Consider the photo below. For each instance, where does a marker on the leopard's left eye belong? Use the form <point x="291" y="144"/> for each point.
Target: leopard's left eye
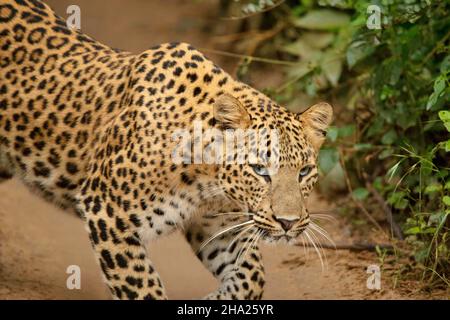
<point x="260" y="170"/>
<point x="304" y="172"/>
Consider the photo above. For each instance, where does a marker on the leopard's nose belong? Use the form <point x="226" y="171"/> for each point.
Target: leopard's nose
<point x="287" y="223"/>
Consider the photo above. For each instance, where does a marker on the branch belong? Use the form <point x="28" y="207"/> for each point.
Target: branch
<point x="245" y="16"/>
<point x="351" y="246"/>
<point x="356" y="201"/>
<point x="395" y="228"/>
<point x="252" y="58"/>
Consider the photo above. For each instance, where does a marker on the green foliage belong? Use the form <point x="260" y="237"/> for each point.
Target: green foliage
<point x="360" y="193"/>
<point x="391" y="87"/>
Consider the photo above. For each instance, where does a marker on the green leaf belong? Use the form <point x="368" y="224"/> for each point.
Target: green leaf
<point x="445" y="65"/>
<point x="439" y="84"/>
<point x="429" y="230"/>
<point x="376" y="127"/>
<point x="439" y="87"/>
<point x="446" y="200"/>
<point x="342" y="4"/>
<point x="360" y="193"/>
<point x="432" y="188"/>
<point x="444" y="115"/>
<point x="332" y="133"/>
<point x="301" y="69"/>
<point x="322" y="19"/>
<point x="426" y="167"/>
<point x="346" y="131"/>
<point x="328" y="158"/>
<point x="447" y="185"/>
<point x="378" y="183"/>
<point x="385" y="154"/>
<point x="358" y="50"/>
<point x="393" y="170"/>
<point x="389" y="137"/>
<point x="432" y="101"/>
<point x="303" y="49"/>
<point x="401" y="204"/>
<point x="395" y="68"/>
<point x="398" y="200"/>
<point x="447" y="145"/>
<point x="318" y="40"/>
<point x="363" y="146"/>
<point x="332" y="66"/>
<point x="413" y="230"/>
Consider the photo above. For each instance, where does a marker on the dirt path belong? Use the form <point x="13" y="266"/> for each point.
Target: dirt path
<point x="38" y="241"/>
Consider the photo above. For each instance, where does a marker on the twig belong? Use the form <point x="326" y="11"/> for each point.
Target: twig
<point x="257" y="59"/>
<point x="227" y="38"/>
<point x="436" y="47"/>
<point x="395" y="228"/>
<point x="263" y="36"/>
<point x="253" y="13"/>
<point x="256" y="41"/>
<point x="356" y="201"/>
<point x="352" y="246"/>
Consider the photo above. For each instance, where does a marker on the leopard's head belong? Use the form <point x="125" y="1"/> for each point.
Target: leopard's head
<point x="271" y="184"/>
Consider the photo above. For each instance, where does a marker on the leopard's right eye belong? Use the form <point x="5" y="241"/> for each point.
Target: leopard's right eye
<point x="260" y="170"/>
<point x="304" y="172"/>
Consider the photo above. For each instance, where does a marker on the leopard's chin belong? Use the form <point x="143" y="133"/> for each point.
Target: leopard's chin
<point x="280" y="239"/>
<point x="277" y="237"/>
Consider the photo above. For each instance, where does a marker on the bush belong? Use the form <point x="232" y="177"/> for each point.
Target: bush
<point x="387" y="63"/>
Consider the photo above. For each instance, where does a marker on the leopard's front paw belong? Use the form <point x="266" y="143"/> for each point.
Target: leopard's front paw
<point x="222" y="294"/>
<point x="217" y="295"/>
<point x="232" y="292"/>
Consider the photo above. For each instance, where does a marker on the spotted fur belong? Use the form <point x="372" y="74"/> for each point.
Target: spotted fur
<point x="89" y="128"/>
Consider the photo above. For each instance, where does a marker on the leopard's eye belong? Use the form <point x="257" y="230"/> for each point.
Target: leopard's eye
<point x="260" y="170"/>
<point x="304" y="172"/>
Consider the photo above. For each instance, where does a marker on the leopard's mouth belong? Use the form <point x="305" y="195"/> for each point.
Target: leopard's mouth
<point x="290" y="238"/>
<point x="283" y="236"/>
<point x="279" y="239"/>
<point x="272" y="234"/>
<point x="275" y="237"/>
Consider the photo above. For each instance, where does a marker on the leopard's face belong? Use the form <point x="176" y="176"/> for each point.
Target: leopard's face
<point x="272" y="185"/>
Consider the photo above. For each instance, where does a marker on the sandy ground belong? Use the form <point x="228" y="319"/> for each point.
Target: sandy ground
<point x="38" y="241"/>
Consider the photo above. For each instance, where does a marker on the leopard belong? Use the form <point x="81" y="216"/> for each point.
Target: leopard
<point x="91" y="129"/>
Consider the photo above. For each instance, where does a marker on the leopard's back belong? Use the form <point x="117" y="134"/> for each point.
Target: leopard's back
<point x="58" y="89"/>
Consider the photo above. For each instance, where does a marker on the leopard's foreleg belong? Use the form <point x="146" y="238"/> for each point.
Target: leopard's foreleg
<point x="233" y="257"/>
<point x="119" y="248"/>
<point x="6" y="170"/>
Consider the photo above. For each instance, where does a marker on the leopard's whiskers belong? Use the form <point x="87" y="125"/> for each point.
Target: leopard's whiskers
<point x="322" y="216"/>
<point x="244" y="247"/>
<point x="240" y="233"/>
<point x="315" y="247"/>
<point x="256" y="236"/>
<point x="211" y="191"/>
<point x="322" y="232"/>
<point x="243" y="214"/>
<point x="305" y="252"/>
<point x="214" y="236"/>
<point x="319" y="245"/>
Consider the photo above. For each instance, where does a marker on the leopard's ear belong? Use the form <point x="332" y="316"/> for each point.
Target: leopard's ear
<point x="230" y="113"/>
<point x="316" y="120"/>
